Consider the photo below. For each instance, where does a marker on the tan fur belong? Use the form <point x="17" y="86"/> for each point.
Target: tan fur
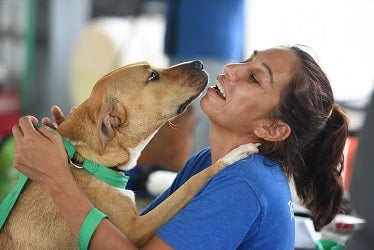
<point x="172" y="145"/>
<point x="124" y="109"/>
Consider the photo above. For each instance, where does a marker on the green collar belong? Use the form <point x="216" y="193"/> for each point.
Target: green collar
<point x="101" y="172"/>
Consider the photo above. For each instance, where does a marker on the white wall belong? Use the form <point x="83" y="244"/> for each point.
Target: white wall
<point x="340" y="32"/>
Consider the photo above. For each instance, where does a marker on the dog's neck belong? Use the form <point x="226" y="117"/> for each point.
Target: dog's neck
<point x="76" y="133"/>
<point x="135" y="153"/>
<point x="123" y="151"/>
<point x="99" y="171"/>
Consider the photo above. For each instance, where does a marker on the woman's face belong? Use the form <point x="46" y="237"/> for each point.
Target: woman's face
<point x="246" y="92"/>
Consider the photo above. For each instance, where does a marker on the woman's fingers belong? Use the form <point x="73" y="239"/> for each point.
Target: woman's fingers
<point x="27" y="124"/>
<point x="50" y="134"/>
<point x="17" y="131"/>
<point x="36" y="150"/>
<point x="46" y="121"/>
<point x="57" y="114"/>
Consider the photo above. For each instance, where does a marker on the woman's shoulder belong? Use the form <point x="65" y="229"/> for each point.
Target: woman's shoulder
<point x="198" y="161"/>
<point x="258" y="172"/>
<point x="257" y="163"/>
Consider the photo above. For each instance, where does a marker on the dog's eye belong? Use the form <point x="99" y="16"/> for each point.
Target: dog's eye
<point x="153" y="76"/>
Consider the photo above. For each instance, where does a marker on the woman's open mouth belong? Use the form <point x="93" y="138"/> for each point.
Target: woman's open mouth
<point x="219" y="90"/>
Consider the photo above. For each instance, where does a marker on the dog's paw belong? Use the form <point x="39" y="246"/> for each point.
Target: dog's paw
<point x="240" y="153"/>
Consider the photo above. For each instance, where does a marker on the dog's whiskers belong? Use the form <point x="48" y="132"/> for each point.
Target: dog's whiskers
<point x="172" y="125"/>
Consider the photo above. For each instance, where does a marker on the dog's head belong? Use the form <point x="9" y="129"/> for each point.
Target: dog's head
<point x="127" y="107"/>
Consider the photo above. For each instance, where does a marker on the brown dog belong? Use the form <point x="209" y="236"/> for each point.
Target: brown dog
<point x="124" y="111"/>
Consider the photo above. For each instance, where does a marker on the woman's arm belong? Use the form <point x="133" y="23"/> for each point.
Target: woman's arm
<point x="40" y="155"/>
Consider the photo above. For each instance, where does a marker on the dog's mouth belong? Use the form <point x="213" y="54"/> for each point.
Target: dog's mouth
<point x="184" y="105"/>
<point x="219" y="90"/>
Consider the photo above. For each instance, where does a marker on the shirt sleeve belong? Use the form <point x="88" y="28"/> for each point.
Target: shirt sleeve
<point x="222" y="215"/>
<point x="193" y="166"/>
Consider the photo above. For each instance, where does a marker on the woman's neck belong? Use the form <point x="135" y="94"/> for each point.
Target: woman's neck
<point x="223" y="141"/>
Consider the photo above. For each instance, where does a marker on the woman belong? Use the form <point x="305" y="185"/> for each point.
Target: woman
<point x="279" y="97"/>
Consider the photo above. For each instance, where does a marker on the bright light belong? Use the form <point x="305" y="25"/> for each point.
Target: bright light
<point x="340" y="33"/>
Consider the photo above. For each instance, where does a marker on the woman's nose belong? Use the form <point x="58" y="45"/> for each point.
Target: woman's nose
<point x="233" y="71"/>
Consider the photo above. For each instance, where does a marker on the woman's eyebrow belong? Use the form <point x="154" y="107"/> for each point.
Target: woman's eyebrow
<point x="270" y="72"/>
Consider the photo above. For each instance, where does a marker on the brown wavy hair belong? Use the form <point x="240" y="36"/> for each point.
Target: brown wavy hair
<point x="313" y="153"/>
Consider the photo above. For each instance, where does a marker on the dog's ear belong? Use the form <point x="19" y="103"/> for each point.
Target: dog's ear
<point x="111" y="117"/>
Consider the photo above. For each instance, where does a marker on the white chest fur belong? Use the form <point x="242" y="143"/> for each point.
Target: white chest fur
<point x="135" y="153"/>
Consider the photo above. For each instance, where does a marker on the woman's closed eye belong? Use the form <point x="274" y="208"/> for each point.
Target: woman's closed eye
<point x="252" y="78"/>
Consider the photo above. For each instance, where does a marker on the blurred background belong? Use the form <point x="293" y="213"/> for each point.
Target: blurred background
<point x="53" y="51"/>
<point x="39" y="42"/>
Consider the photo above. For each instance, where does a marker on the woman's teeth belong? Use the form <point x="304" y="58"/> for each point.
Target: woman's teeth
<point x="220" y="89"/>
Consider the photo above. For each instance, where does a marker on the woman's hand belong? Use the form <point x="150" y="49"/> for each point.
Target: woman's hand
<point x="40" y="153"/>
<point x="58" y="116"/>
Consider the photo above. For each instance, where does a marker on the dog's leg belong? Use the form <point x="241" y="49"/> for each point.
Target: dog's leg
<point x="145" y="226"/>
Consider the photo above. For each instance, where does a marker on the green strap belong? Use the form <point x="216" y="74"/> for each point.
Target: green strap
<point x="88" y="227"/>
<point x="70" y="149"/>
<point x="101" y="172"/>
<point x="8" y="202"/>
<point x="105" y="174"/>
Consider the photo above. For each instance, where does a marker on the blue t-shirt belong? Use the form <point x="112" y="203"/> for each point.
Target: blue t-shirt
<point x="245" y="206"/>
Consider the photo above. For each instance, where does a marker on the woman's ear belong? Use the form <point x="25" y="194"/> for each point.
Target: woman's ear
<point x="273" y="131"/>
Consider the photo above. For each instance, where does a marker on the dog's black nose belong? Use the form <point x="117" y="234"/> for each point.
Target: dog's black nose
<point x="198" y="64"/>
